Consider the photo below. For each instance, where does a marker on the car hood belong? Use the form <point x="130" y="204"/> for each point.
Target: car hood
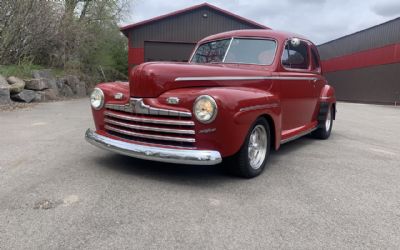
<point x="153" y="79"/>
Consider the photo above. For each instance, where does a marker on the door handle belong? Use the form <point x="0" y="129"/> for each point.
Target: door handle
<point x="314" y="82"/>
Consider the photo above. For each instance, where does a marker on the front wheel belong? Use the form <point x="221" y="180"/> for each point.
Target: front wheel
<point x="251" y="159"/>
<point x="325" y="127"/>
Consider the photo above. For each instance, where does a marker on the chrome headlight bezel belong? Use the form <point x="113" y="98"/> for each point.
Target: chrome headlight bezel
<point x="213" y="104"/>
<point x="97" y="96"/>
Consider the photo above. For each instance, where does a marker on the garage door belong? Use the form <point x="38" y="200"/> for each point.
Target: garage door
<point x="166" y="51"/>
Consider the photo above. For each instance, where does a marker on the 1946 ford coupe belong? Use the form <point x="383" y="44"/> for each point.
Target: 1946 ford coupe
<point x="241" y="93"/>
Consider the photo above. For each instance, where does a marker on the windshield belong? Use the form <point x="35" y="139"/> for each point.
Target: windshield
<point x="236" y="50"/>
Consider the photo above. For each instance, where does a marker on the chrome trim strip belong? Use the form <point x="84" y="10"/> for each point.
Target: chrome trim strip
<point x="244" y="78"/>
<point x="149" y="136"/>
<point x="149" y="120"/>
<point x="298" y="135"/>
<point x="170" y="155"/>
<point x="295" y="78"/>
<point x="256" y="107"/>
<point x="136" y="105"/>
<point x="147" y="128"/>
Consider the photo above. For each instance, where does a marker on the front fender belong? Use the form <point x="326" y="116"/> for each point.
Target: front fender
<point x="109" y="90"/>
<point x="238" y="108"/>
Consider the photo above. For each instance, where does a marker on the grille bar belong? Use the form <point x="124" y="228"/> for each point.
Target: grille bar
<point x="136" y="105"/>
<point x="149" y="136"/>
<point x="147" y="128"/>
<point x="149" y="120"/>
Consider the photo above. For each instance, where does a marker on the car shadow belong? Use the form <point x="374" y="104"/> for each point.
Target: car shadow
<point x="187" y="173"/>
<point x="167" y="172"/>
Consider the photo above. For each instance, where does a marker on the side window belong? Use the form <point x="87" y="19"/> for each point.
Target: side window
<point x="295" y="56"/>
<point x="315" y="59"/>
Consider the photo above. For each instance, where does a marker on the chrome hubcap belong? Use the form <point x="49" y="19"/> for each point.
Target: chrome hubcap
<point x="328" y="121"/>
<point x="257" y="146"/>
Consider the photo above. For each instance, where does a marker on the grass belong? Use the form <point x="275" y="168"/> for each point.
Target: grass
<point x="24" y="70"/>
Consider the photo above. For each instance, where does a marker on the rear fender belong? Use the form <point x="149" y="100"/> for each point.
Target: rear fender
<point x="326" y="100"/>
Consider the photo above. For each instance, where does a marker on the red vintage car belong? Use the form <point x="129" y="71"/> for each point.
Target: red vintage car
<point x="241" y="94"/>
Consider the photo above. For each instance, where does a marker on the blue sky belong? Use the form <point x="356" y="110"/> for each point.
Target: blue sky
<point x="319" y="20"/>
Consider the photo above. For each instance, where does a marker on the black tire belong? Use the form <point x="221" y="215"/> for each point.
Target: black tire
<point x="323" y="132"/>
<point x="240" y="163"/>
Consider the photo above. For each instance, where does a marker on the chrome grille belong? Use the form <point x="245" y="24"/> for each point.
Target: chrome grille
<point x="140" y="122"/>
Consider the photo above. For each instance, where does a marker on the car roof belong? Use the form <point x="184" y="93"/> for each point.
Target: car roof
<point x="263" y="33"/>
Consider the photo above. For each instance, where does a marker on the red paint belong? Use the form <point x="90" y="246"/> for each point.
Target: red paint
<point x="291" y="105"/>
<point x="125" y="29"/>
<point x="135" y="56"/>
<point x="373" y="57"/>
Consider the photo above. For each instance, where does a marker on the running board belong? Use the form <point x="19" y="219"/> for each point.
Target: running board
<point x="298" y="135"/>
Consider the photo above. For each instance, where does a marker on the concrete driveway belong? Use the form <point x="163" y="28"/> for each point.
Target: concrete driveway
<point x="59" y="192"/>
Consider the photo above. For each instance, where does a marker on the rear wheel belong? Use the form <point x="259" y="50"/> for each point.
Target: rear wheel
<point x="325" y="127"/>
<point x="251" y="159"/>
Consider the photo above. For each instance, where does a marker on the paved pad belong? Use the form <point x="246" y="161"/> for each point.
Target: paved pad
<point x="59" y="192"/>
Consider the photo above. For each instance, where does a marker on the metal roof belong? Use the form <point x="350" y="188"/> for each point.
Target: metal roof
<point x="125" y="29"/>
<point x="374" y="37"/>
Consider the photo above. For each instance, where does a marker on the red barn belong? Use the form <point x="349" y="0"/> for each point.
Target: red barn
<point x="365" y="66"/>
<point x="172" y="37"/>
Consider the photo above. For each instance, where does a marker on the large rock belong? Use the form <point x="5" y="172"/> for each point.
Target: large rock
<point x="36" y="84"/>
<point x="4" y="91"/>
<point x="16" y="84"/>
<point x="3" y="81"/>
<point x="72" y="81"/>
<point x="47" y="76"/>
<point x="66" y="91"/>
<point x="44" y="73"/>
<point x="4" y="96"/>
<point x="45" y="95"/>
<point x="52" y="83"/>
<point x="50" y="94"/>
<point x="61" y="82"/>
<point x="80" y="89"/>
<point x="39" y="96"/>
<point x="24" y="96"/>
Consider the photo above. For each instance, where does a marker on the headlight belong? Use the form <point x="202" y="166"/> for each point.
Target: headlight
<point x="205" y="109"/>
<point x="97" y="98"/>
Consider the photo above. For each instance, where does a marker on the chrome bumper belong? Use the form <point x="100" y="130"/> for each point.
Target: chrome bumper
<point x="180" y="156"/>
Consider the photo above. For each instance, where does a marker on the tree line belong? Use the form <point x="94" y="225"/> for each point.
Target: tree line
<point x="76" y="35"/>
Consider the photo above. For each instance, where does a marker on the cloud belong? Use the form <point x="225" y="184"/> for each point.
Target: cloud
<point x="318" y="2"/>
<point x="387" y="9"/>
<point x="319" y="20"/>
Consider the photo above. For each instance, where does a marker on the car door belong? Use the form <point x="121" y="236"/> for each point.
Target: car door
<point x="298" y="85"/>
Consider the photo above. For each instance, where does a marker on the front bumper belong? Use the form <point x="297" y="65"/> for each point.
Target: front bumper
<point x="179" y="156"/>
